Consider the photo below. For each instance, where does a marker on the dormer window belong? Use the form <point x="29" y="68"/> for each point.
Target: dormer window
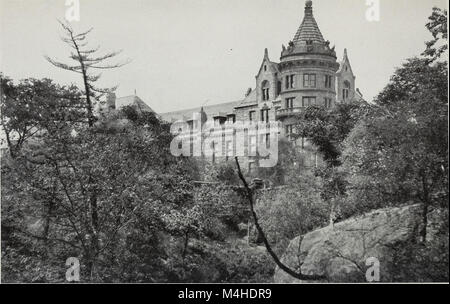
<point x="251" y="115"/>
<point x="265" y="68"/>
<point x="231" y="118"/>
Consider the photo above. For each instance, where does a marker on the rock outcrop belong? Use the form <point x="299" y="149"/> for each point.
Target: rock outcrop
<point x="340" y="252"/>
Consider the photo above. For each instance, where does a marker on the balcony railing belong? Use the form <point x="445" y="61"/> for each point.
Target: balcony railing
<point x="289" y="112"/>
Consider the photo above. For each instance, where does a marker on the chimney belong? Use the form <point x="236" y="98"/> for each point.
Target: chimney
<point x="111" y="101"/>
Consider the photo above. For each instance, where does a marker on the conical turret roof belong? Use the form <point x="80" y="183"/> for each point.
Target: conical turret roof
<point x="308" y="30"/>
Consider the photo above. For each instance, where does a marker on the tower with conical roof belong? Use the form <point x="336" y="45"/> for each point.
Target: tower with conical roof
<point x="307" y="69"/>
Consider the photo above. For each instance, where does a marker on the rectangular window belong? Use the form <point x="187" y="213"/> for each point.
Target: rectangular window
<point x="231" y="118"/>
<point x="251" y="167"/>
<point x="308" y="101"/>
<point x="309" y="80"/>
<point x="251" y="115"/>
<point x="290" y="81"/>
<point x="290" y="103"/>
<point x="265" y="93"/>
<point x="267" y="140"/>
<point x="265" y="115"/>
<point x="345" y="94"/>
<point x="289" y="131"/>
<point x="328" y="81"/>
<point x="328" y="102"/>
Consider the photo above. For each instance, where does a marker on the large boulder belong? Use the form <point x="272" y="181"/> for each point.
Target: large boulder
<point x="340" y="252"/>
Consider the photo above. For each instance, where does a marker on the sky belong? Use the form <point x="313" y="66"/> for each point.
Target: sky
<point x="188" y="53"/>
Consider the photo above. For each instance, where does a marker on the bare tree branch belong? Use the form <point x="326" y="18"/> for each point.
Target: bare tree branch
<point x="249" y="194"/>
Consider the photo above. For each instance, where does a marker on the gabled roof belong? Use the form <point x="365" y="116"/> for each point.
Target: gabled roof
<point x="273" y="66"/>
<point x="345" y="62"/>
<point x="135" y="101"/>
<point x="308" y="30"/>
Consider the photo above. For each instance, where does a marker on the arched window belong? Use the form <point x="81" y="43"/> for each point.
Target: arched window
<point x="346" y="90"/>
<point x="265" y="90"/>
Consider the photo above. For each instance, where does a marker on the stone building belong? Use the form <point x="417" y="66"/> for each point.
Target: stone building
<point x="308" y="74"/>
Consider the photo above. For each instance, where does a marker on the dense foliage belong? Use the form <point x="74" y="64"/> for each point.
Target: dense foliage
<point x="107" y="190"/>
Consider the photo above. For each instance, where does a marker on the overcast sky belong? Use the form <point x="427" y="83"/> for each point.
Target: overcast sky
<point x="186" y="53"/>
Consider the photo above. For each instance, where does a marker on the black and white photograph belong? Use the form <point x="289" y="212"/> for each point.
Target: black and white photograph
<point x="227" y="142"/>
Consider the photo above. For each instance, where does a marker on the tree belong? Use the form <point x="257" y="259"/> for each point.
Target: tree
<point x="405" y="145"/>
<point x="34" y="106"/>
<point x="250" y="197"/>
<point x="437" y="25"/>
<point x="326" y="130"/>
<point x="87" y="60"/>
<point x="47" y="199"/>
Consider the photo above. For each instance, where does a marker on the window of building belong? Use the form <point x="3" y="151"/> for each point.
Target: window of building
<point x="328" y="102"/>
<point x="267" y="140"/>
<point x="265" y="90"/>
<point x="251" y="115"/>
<point x="328" y="81"/>
<point x="231" y="118"/>
<point x="308" y="101"/>
<point x="290" y="103"/>
<point x="265" y="68"/>
<point x="217" y="121"/>
<point x="289" y="131"/>
<point x="265" y="93"/>
<point x="251" y="167"/>
<point x="304" y="142"/>
<point x="309" y="80"/>
<point x="265" y="115"/>
<point x="346" y="90"/>
<point x="278" y="88"/>
<point x="290" y="81"/>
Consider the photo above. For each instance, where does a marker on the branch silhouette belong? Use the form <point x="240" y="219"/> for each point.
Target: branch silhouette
<point x="249" y="194"/>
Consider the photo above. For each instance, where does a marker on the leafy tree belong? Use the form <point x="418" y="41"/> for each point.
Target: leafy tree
<point x="400" y="153"/>
<point x="51" y="185"/>
<point x="437" y="25"/>
<point x="292" y="210"/>
<point x="34" y="106"/>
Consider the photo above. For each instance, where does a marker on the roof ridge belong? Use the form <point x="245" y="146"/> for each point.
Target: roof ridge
<point x="205" y="106"/>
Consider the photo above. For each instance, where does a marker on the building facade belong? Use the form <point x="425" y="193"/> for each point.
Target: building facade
<point x="308" y="73"/>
